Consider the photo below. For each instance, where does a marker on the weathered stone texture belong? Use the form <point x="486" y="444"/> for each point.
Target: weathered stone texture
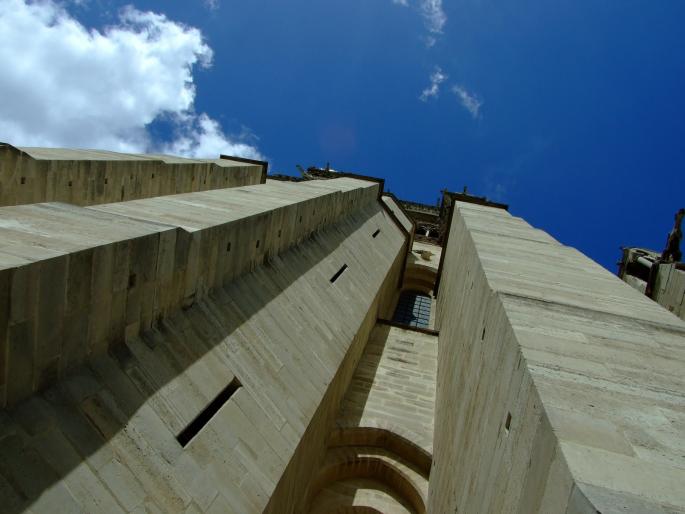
<point x="87" y="177"/>
<point x="104" y="438"/>
<point x="552" y="387"/>
<point x="80" y="279"/>
<point x="394" y="386"/>
<point x="560" y="388"/>
<point x="669" y="290"/>
<point x="380" y="451"/>
<point x="397" y="211"/>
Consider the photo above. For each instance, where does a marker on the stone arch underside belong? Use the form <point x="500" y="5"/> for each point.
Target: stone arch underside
<point x="373" y="477"/>
<point x="379" y="453"/>
<point x="419" y="278"/>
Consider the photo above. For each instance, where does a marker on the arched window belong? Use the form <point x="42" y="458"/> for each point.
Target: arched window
<point x="413" y="309"/>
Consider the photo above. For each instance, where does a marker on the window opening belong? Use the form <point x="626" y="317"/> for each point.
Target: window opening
<point x="338" y="273"/>
<point x="413" y="309"/>
<point x="189" y="432"/>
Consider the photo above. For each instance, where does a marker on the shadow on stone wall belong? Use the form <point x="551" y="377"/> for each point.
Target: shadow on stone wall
<point x="45" y="440"/>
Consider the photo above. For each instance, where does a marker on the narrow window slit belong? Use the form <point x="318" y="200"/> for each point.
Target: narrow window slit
<point x="507" y="424"/>
<point x="23" y="180"/>
<point x="228" y="246"/>
<point x="189" y="432"/>
<point x="257" y="245"/>
<point x="338" y="273"/>
<point x="378" y="231"/>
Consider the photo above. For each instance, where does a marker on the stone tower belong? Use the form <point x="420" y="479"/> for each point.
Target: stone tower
<point x="183" y="335"/>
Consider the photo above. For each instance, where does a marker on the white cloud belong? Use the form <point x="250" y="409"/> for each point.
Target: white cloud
<point x="65" y="85"/>
<point x="212" y="5"/>
<point x="436" y="78"/>
<point x="468" y="100"/>
<point x="201" y="136"/>
<point x="433" y="15"/>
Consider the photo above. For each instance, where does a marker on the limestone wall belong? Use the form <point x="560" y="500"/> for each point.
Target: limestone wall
<point x="87" y="177"/>
<point x="394" y="387"/>
<point x="394" y="207"/>
<point x="669" y="290"/>
<point x="560" y="388"/>
<point x="422" y="268"/>
<point x="292" y="492"/>
<point x="380" y="450"/>
<point x="105" y="438"/>
<point x="76" y="280"/>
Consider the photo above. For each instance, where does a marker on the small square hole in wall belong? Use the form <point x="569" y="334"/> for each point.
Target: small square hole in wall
<point x="507" y="423"/>
<point x="69" y="183"/>
<point x="228" y="246"/>
<point x="132" y="281"/>
<point x="105" y="180"/>
<point x="23" y="180"/>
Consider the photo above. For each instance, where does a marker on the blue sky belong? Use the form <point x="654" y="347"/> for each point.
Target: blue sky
<point x="570" y="111"/>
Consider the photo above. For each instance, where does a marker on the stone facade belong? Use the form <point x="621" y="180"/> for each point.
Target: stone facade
<point x="87" y="177"/>
<point x="663" y="282"/>
<point x="228" y="345"/>
<point x="560" y="388"/>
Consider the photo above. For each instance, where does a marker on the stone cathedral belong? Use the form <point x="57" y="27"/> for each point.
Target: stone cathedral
<point x="185" y="336"/>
